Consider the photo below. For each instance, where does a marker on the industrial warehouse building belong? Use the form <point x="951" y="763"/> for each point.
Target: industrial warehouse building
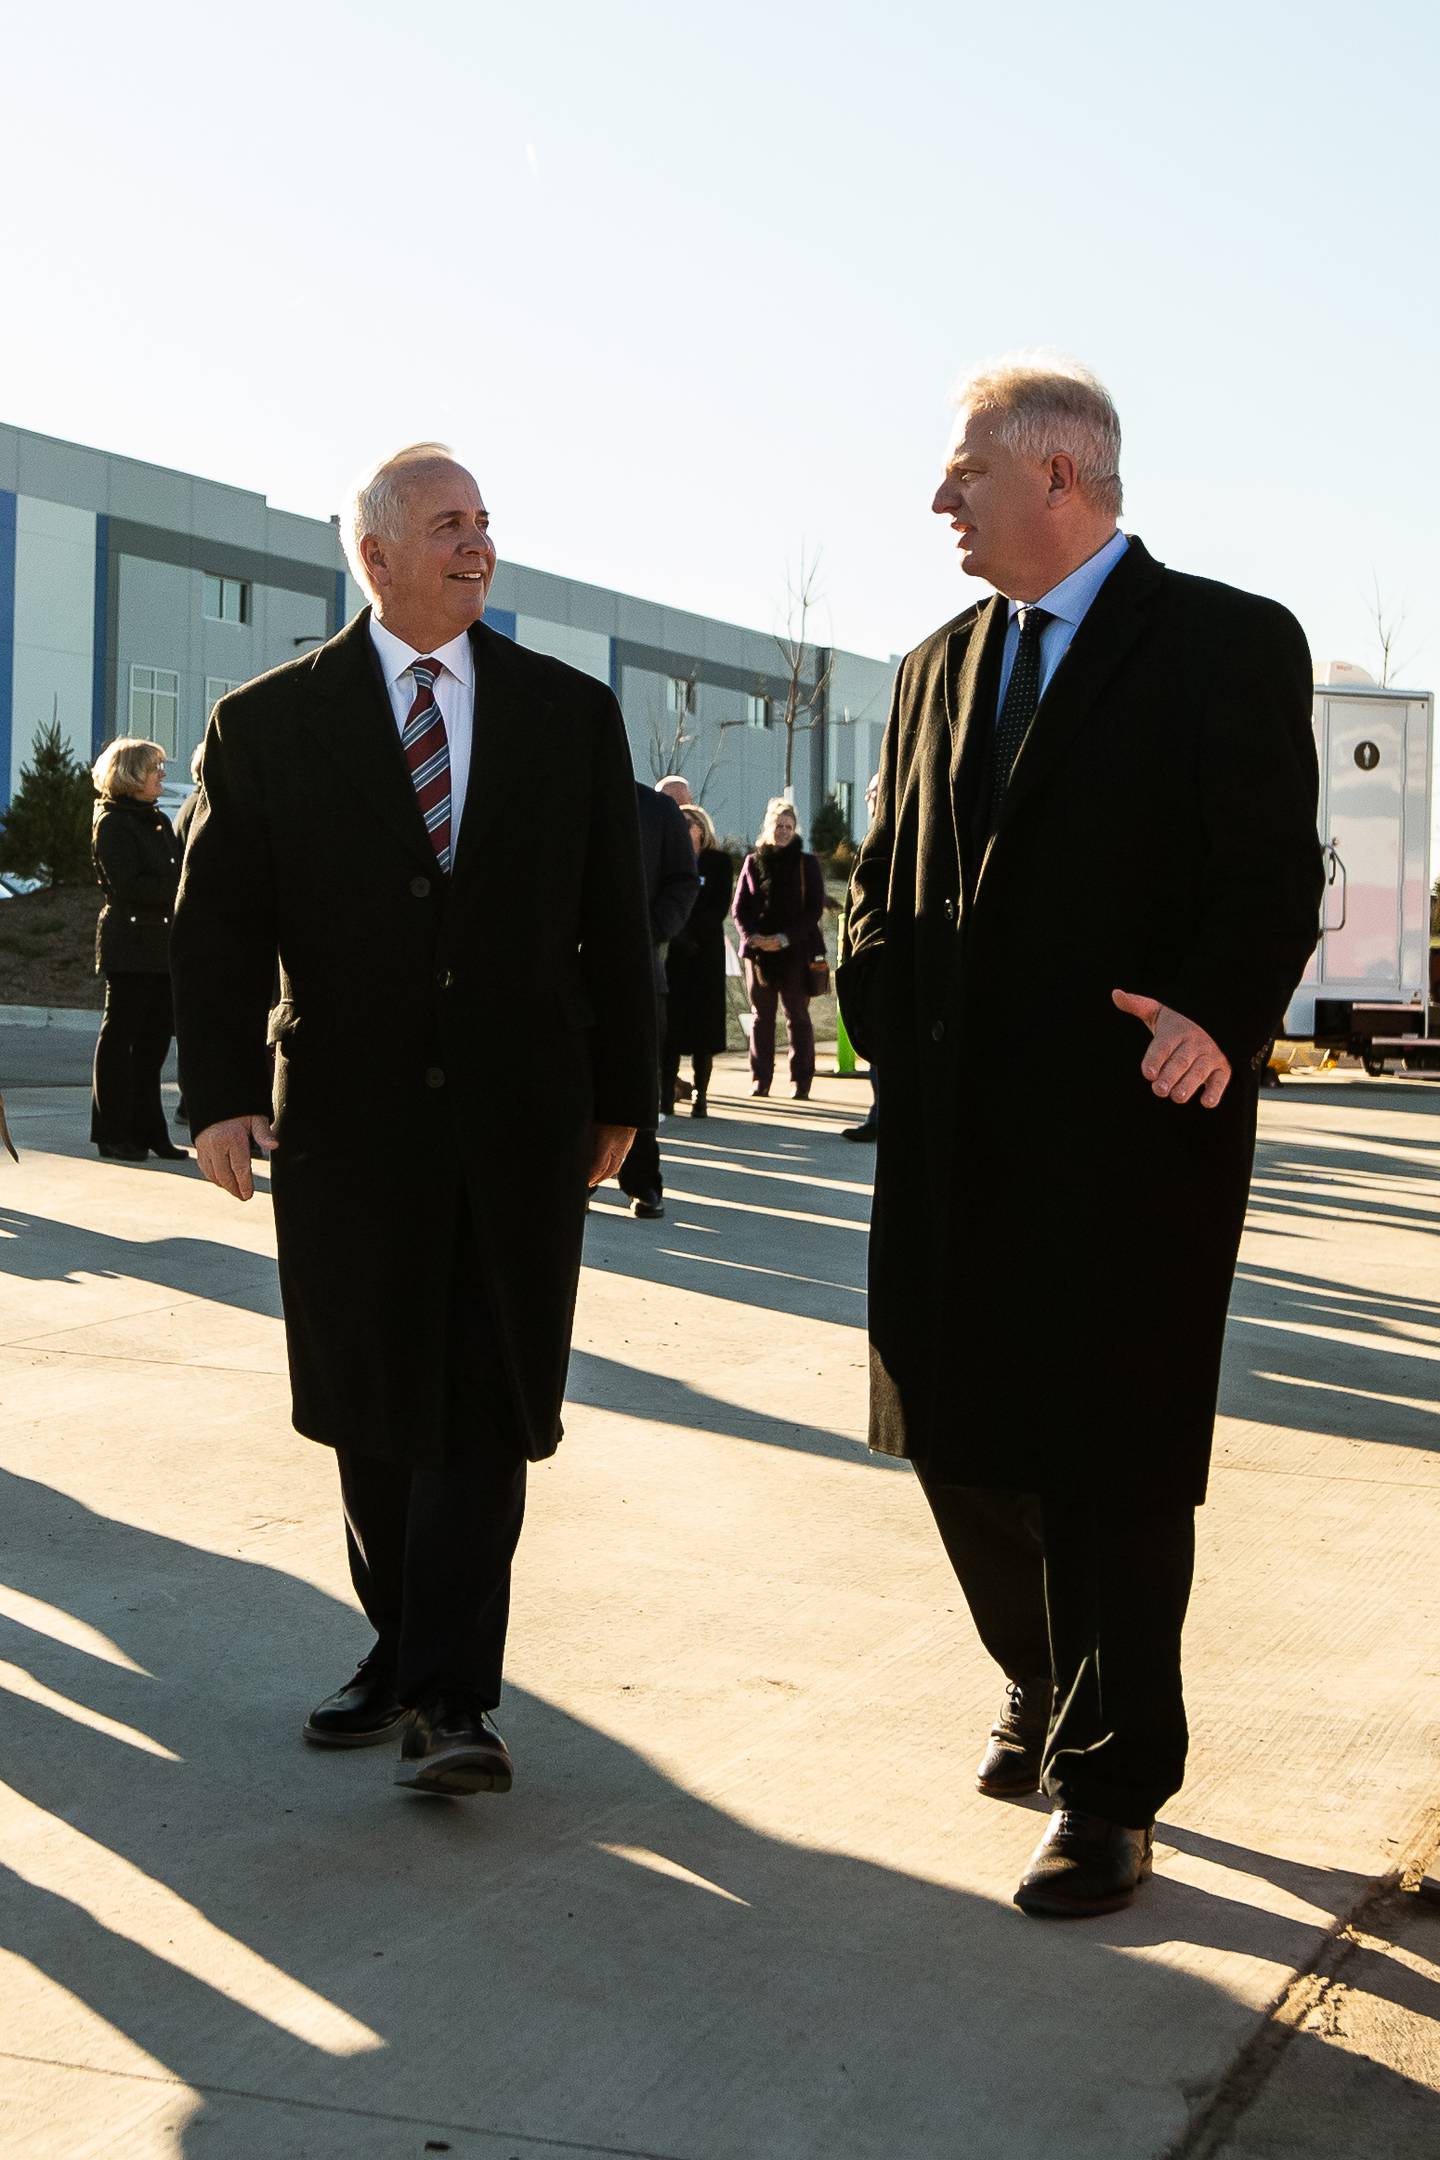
<point x="132" y="597"/>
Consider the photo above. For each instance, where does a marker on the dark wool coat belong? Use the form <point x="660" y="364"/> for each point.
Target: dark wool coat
<point x="695" y="963"/>
<point x="671" y="883"/>
<point x="420" y="1017"/>
<point x="1053" y="1245"/>
<point x="781" y="892"/>
<point x="137" y="864"/>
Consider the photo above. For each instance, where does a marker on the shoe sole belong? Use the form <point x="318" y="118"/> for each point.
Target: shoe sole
<point x="316" y="1736"/>
<point x="1046" y="1906"/>
<point x="1016" y="1790"/>
<point x="457" y="1776"/>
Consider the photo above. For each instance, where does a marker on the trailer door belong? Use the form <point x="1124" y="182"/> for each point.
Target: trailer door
<point x="1364" y="814"/>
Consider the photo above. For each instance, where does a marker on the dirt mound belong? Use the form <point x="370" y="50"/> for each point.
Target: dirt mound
<point x="47" y="948"/>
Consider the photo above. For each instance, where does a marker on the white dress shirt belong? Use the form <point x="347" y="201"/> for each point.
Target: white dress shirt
<point x="1067" y="605"/>
<point x="454" y="694"/>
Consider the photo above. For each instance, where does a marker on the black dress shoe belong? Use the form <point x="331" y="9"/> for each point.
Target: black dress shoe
<point x="364" y="1712"/>
<point x="1084" y="1864"/>
<point x="1011" y="1763"/>
<point x="699" y="1107"/>
<point x="119" y="1154"/>
<point x="867" y="1131"/>
<point x="452" y="1748"/>
<point x="647" y="1207"/>
<point x="171" y="1154"/>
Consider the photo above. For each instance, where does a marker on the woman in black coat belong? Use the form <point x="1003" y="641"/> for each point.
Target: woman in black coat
<point x="137" y="863"/>
<point x="778" y="904"/>
<point x="695" y="970"/>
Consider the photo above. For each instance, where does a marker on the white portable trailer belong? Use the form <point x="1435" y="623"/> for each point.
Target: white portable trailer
<point x="1367" y="988"/>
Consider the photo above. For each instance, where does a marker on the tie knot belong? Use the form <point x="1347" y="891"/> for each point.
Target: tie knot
<point x="425" y="672"/>
<point x="1031" y="615"/>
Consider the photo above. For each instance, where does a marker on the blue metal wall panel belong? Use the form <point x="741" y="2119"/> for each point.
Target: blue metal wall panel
<point x="7" y="639"/>
<point x="100" y="637"/>
<point x="337" y="619"/>
<point x="501" y="619"/>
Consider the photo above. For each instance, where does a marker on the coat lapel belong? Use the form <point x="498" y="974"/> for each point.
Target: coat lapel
<point x="972" y="678"/>
<point x="508" y="746"/>
<point x="1112" y="623"/>
<point x="350" y="718"/>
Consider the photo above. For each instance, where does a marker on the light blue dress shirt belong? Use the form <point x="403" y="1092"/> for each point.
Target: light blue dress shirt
<point x="1066" y="604"/>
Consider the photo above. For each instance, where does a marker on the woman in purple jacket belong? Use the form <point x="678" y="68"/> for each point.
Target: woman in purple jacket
<point x="778" y="904"/>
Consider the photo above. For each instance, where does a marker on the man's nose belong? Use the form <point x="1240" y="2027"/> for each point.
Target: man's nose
<point x="944" y="501"/>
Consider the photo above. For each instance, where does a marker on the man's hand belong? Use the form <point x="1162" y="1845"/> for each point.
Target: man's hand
<point x="223" y="1152"/>
<point x="1182" y="1058"/>
<point x="609" y="1146"/>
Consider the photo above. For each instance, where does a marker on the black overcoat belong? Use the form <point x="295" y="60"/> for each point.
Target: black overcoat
<point x="137" y="866"/>
<point x="420" y="1020"/>
<point x="1053" y="1245"/>
<point x="695" y="963"/>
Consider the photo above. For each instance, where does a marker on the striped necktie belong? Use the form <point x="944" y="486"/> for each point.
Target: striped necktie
<point x="1022" y="695"/>
<point x="427" y="753"/>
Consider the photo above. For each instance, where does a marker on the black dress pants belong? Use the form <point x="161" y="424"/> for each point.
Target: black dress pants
<point x="639" y="1175"/>
<point x="430" y="1547"/>
<point x="1093" y="1591"/>
<point x="126" y="1109"/>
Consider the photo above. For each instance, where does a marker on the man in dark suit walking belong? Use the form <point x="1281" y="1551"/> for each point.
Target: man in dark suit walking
<point x="358" y="819"/>
<point x="1090" y="886"/>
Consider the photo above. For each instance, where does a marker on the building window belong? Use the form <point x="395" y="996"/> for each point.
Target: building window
<point x="227" y="599"/>
<point x="216" y="687"/>
<point x="757" y="712"/>
<point x="155" y="706"/>
<point x="845" y="797"/>
<point x="681" y="694"/>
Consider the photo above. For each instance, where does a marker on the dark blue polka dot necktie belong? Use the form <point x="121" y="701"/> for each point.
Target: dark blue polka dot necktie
<point x="1022" y="695"/>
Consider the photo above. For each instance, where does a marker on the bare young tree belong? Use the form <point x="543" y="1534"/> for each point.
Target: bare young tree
<point x="673" y="733"/>
<point x="804" y="668"/>
<point x="1388" y="627"/>
<point x="672" y="737"/>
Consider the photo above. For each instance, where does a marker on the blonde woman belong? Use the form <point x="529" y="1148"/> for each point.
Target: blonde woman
<point x="137" y="864"/>
<point x="778" y="904"/>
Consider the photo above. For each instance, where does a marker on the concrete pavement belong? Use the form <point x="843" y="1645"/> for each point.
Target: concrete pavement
<point x="743" y="1903"/>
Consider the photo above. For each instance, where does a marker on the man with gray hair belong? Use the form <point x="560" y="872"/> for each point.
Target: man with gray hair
<point x="364" y="817"/>
<point x="1071" y="1066"/>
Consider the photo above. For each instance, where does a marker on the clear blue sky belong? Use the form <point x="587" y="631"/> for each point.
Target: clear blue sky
<point x="688" y="287"/>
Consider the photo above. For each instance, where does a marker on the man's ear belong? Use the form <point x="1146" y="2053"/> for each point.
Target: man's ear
<point x="1061" y="478"/>
<point x="372" y="554"/>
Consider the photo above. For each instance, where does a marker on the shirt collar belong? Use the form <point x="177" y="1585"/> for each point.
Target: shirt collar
<point x="396" y="656"/>
<point x="1070" y="599"/>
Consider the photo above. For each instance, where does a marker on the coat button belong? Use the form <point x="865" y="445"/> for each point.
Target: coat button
<point x="445" y="978"/>
<point x="434" y="1076"/>
<point x="937" y="1033"/>
<point x="949" y="911"/>
<point x="420" y="887"/>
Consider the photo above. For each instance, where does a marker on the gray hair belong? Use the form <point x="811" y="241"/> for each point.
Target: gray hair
<point x="1044" y="402"/>
<point x="124" y="766"/>
<point x="376" y="501"/>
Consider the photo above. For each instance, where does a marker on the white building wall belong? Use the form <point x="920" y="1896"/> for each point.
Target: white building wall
<point x="586" y="650"/>
<point x="54" y="625"/>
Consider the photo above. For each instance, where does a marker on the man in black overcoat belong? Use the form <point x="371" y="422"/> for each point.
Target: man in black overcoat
<point x="365" y="816"/>
<point x="672" y="886"/>
<point x="1089" y="890"/>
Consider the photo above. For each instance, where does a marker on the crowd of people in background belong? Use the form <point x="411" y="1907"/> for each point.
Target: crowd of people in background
<point x="777" y="905"/>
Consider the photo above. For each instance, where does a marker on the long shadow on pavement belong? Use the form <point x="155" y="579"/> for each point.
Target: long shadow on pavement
<point x="605" y="1957"/>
